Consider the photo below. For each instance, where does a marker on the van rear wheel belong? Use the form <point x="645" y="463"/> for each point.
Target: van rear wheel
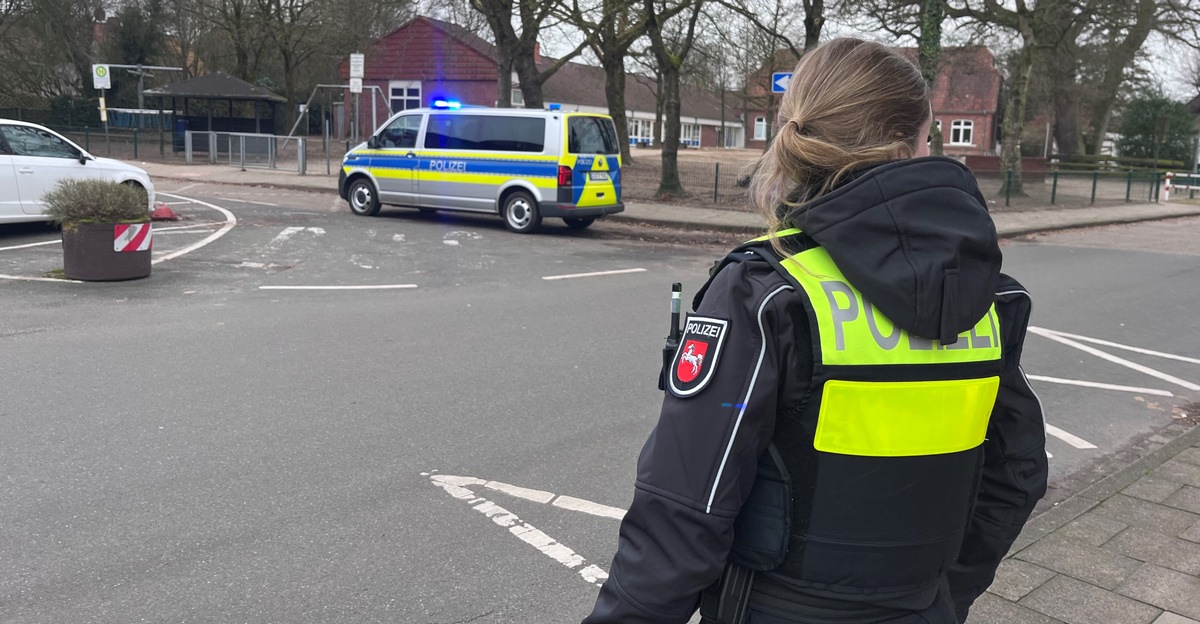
<point x="578" y="223"/>
<point x="362" y="199"/>
<point x="520" y="213"/>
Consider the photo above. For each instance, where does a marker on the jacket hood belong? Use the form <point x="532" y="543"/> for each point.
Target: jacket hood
<point x="915" y="237"/>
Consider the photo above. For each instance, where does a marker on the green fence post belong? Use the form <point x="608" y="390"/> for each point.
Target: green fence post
<point x="87" y="139"/>
<point x="1008" y="189"/>
<point x="135" y="143"/>
<point x="1154" y="189"/>
<point x="1128" y="184"/>
<point x="1095" y="179"/>
<point x="1054" y="187"/>
<point x="716" y="181"/>
<point x="162" y="144"/>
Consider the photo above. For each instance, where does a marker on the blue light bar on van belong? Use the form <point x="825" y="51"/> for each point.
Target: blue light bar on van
<point x="554" y="106"/>
<point x="451" y="104"/>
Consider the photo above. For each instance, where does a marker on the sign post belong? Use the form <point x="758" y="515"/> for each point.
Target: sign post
<point x="102" y="81"/>
<point x="356" y="75"/>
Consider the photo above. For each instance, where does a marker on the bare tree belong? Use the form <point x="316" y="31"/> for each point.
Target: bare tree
<point x="671" y="41"/>
<point x="517" y="51"/>
<point x="1040" y="26"/>
<point x="241" y="23"/>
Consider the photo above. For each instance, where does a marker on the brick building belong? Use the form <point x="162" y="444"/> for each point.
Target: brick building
<point x="966" y="99"/>
<point x="427" y="59"/>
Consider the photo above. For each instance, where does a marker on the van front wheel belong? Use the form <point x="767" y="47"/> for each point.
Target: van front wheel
<point x="521" y="213"/>
<point x="362" y="199"/>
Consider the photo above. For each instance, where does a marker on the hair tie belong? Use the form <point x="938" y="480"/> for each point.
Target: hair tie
<point x="800" y="129"/>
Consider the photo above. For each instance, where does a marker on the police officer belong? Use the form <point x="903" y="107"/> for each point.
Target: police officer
<point x="870" y="346"/>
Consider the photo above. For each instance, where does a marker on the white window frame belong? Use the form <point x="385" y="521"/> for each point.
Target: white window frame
<point x="641" y="131"/>
<point x="517" y="98"/>
<point x="962" y="132"/>
<point x="690" y="134"/>
<point x="407" y="99"/>
<point x="760" y="128"/>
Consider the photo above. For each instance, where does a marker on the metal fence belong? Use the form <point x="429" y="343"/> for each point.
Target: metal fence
<point x="715" y="184"/>
<point x="247" y="150"/>
<point x="1069" y="188"/>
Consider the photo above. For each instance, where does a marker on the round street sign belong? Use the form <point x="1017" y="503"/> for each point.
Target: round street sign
<point x="100" y="77"/>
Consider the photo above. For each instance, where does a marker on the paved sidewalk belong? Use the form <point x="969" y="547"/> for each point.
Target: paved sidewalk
<point x="1008" y="224"/>
<point x="1126" y="550"/>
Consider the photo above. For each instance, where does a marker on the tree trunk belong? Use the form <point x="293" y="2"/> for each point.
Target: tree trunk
<point x="669" y="185"/>
<point x="1014" y="120"/>
<point x="504" y="82"/>
<point x="814" y="21"/>
<point x="289" y="94"/>
<point x="929" y="52"/>
<point x="527" y="74"/>
<point x="658" y="110"/>
<point x="614" y="94"/>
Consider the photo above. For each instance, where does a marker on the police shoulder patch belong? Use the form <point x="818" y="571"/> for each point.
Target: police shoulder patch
<point x="699" y="350"/>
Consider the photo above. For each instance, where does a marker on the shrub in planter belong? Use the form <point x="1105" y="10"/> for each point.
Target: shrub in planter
<point x="105" y="229"/>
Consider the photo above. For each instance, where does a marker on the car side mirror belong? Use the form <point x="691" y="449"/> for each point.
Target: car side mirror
<point x="373" y="142"/>
<point x="83" y="158"/>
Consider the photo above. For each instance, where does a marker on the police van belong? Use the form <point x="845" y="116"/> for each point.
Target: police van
<point x="521" y="164"/>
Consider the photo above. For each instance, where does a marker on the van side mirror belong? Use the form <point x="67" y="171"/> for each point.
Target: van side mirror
<point x="373" y="142"/>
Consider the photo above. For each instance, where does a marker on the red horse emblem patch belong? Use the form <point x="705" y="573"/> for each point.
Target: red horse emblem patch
<point x="696" y="360"/>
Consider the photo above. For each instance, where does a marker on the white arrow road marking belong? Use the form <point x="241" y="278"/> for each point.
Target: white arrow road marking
<point x="289" y="232"/>
<point x="1055" y="336"/>
<point x="617" y="272"/>
<point x="1096" y="384"/>
<point x="1069" y="438"/>
<point x="458" y="488"/>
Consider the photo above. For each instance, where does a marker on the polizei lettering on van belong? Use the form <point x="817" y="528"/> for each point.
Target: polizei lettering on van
<point x="450" y="166"/>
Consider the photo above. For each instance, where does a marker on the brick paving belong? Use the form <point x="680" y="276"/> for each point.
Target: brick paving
<point x="1124" y="551"/>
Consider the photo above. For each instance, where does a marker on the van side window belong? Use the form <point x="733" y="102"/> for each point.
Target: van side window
<point x="591" y="135"/>
<point x="402" y="132"/>
<point x="486" y="133"/>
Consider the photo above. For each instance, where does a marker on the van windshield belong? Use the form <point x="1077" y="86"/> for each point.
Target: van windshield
<point x="591" y="135"/>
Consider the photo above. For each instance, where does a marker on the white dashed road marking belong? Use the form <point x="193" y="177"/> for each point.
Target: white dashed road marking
<point x="26" y="246"/>
<point x="247" y="201"/>
<point x="366" y="287"/>
<point x="1069" y="438"/>
<point x="597" y="273"/>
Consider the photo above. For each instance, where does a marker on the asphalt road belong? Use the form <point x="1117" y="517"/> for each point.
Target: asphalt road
<point x="221" y="443"/>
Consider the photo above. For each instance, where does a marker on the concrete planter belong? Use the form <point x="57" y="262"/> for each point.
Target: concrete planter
<point x="106" y="252"/>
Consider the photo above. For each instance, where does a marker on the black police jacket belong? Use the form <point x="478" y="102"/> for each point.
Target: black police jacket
<point x="892" y="231"/>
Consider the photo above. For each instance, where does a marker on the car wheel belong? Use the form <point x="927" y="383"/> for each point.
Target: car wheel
<point x="362" y="199"/>
<point x="521" y="213"/>
<point x="578" y="223"/>
<point x="140" y="189"/>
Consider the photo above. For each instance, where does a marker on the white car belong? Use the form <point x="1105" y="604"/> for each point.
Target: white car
<point x="33" y="159"/>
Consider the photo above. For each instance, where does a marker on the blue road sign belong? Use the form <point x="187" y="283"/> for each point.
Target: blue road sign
<point x="780" y="81"/>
